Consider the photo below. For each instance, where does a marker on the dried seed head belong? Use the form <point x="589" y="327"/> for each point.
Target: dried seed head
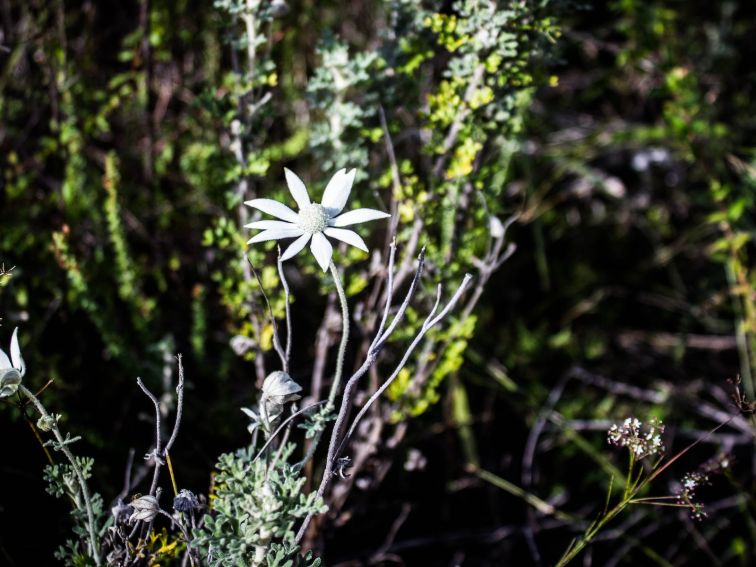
<point x="185" y="501"/>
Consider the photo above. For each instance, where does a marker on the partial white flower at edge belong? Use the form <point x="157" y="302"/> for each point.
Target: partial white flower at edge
<point x="11" y="370"/>
<point x="314" y="221"/>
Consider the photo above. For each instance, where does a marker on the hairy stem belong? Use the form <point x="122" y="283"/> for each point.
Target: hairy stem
<point x="93" y="552"/>
<point x="285" y="284"/>
<point x="344" y="336"/>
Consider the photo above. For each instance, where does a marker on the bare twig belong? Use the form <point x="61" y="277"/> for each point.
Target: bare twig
<point x="276" y="342"/>
<point x="429" y="323"/>
<point x="179" y="405"/>
<point x="284" y="423"/>
<point x="156" y="454"/>
<point x="336" y="444"/>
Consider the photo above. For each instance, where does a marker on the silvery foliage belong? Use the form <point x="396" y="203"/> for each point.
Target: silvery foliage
<point x="62" y="483"/>
<point x="255" y="508"/>
<point x="12" y="369"/>
<point x="337" y="138"/>
<point x="258" y="500"/>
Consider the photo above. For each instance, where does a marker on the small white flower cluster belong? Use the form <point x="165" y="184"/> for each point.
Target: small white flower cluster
<point x="692" y="481"/>
<point x="642" y="441"/>
<point x="687" y="492"/>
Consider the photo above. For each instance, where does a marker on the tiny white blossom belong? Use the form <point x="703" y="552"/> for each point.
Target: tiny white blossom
<point x="642" y="441"/>
<point x="11" y="369"/>
<point x="314" y="221"/>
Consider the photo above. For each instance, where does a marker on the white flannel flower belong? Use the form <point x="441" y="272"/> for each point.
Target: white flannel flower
<point x="314" y="221"/>
<point x="11" y="370"/>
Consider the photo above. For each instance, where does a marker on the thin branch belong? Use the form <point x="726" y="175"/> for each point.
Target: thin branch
<point x="284" y="423"/>
<point x="340" y="355"/>
<point x="127" y="476"/>
<point x="380" y="340"/>
<point x="334" y="446"/>
<point x="276" y="342"/>
<point x="156" y="453"/>
<point x="179" y="406"/>
<point x="375" y="348"/>
<point x="388" y="296"/>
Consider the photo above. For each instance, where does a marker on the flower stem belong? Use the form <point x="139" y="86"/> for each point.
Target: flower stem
<point x="76" y="468"/>
<point x="330" y="406"/>
<point x="344" y="336"/>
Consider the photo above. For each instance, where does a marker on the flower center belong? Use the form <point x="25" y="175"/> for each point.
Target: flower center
<point x="313" y="218"/>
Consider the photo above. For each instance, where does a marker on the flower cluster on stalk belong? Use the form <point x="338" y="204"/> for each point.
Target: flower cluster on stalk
<point x="641" y="440"/>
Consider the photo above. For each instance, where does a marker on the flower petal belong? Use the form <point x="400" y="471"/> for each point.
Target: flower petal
<point x="348" y="236"/>
<point x="358" y="216"/>
<point x="266" y="224"/>
<point x="297" y="188"/>
<point x="337" y="191"/>
<point x="321" y="249"/>
<point x="15" y="352"/>
<point x="274" y="208"/>
<point x="279" y="384"/>
<point x="275" y="234"/>
<point x="296" y="247"/>
<point x="4" y="361"/>
<point x="9" y="382"/>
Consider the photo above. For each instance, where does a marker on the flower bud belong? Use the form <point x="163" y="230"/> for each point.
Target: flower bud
<point x="47" y="422"/>
<point x="146" y="508"/>
<point x="279" y="388"/>
<point x="279" y="8"/>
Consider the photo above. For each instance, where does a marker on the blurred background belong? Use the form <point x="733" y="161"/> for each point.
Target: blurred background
<point x="618" y="137"/>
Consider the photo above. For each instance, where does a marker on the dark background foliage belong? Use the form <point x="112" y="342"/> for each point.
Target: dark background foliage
<point x="631" y="291"/>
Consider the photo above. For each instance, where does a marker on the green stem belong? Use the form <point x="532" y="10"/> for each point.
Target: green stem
<point x="628" y="481"/>
<point x="575" y="550"/>
<point x="339" y="363"/>
<point x="344" y="336"/>
<point x="76" y="468"/>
